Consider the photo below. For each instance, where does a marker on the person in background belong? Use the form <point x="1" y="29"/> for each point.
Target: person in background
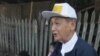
<point x="51" y="47"/>
<point x="63" y="20"/>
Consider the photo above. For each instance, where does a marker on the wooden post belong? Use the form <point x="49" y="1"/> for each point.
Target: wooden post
<point x="92" y="26"/>
<point x="85" y="25"/>
<point x="31" y="10"/>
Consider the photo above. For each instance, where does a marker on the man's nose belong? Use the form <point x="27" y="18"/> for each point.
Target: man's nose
<point x="53" y="28"/>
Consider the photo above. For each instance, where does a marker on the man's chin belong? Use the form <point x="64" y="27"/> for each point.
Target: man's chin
<point x="56" y="39"/>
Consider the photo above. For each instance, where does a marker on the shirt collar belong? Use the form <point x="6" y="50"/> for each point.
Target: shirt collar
<point x="68" y="46"/>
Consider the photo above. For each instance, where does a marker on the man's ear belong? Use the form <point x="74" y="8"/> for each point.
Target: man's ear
<point x="73" y="24"/>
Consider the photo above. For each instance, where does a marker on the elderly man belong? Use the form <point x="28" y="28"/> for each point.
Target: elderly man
<point x="63" y="23"/>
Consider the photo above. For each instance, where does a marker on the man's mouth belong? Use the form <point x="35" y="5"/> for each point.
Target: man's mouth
<point x="54" y="34"/>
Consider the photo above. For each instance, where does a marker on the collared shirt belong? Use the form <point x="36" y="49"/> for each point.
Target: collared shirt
<point x="68" y="46"/>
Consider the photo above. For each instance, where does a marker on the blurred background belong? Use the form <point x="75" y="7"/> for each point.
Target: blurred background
<point x="22" y="27"/>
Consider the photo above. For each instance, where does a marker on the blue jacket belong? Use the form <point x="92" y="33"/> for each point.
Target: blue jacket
<point x="81" y="48"/>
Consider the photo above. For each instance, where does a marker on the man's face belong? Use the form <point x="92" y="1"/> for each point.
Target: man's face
<point x="61" y="28"/>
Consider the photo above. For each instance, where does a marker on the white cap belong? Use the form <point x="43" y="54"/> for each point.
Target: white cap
<point x="60" y="9"/>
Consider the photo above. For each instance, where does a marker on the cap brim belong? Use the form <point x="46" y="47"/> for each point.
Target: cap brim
<point x="49" y="14"/>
